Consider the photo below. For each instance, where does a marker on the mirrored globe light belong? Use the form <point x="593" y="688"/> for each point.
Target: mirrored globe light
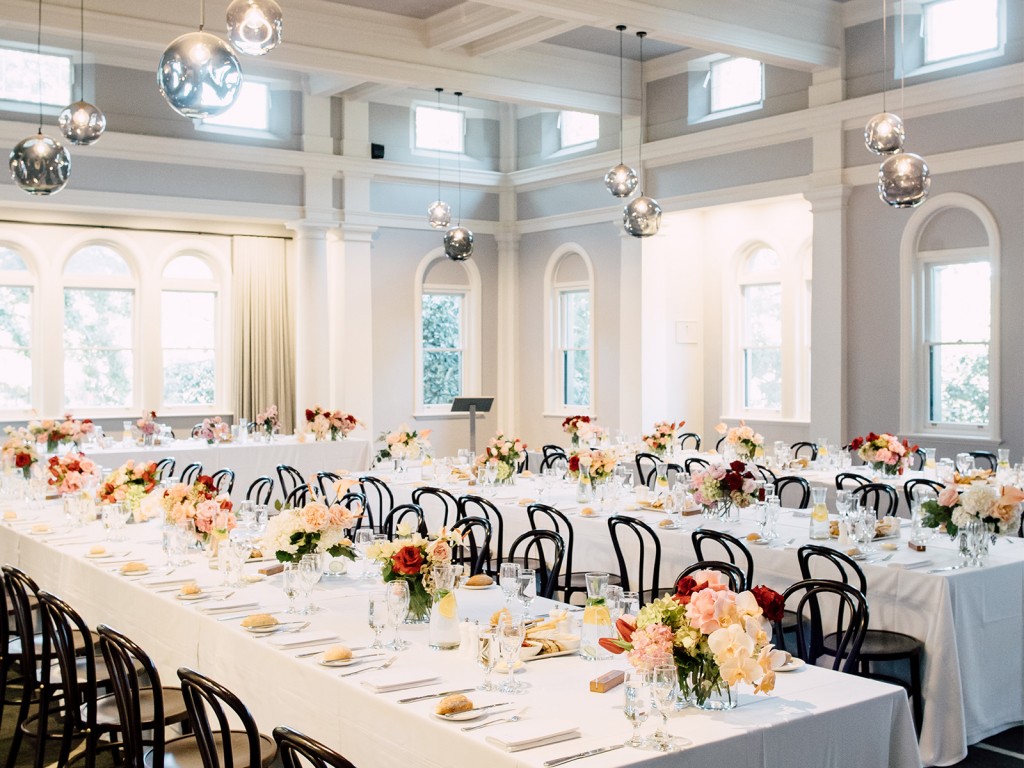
<point x="254" y="26"/>
<point x="621" y="180"/>
<point x="40" y="165"/>
<point x="642" y="217"/>
<point x="199" y="75"/>
<point x="82" y="123"/>
<point x="883" y="134"/>
<point x="439" y="214"/>
<point x="904" y="180"/>
<point x="458" y="243"/>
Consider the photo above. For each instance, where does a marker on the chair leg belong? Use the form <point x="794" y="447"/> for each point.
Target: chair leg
<point x="23" y="709"/>
<point x="915" y="685"/>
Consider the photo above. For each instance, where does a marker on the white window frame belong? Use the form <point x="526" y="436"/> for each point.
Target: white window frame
<point x="910" y="62"/>
<point x="956" y="60"/>
<point x="914" y="272"/>
<point x="554" y="404"/>
<point x="27" y="279"/>
<point x="565" y="117"/>
<point x="471" y="317"/>
<point x="434" y="151"/>
<point x="730" y="109"/>
<point x="32" y="105"/>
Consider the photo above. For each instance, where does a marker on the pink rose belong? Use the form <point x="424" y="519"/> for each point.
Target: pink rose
<point x="948" y="496"/>
<point x="315" y="516"/>
<point x="700" y="611"/>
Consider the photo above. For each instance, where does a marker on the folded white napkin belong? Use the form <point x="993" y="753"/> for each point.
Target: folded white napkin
<point x="227" y="606"/>
<point x="398" y="681"/>
<point x="163" y="581"/>
<point x="532" y="733"/>
<point x="912" y="565"/>
<point x="801" y="513"/>
<point x="293" y="639"/>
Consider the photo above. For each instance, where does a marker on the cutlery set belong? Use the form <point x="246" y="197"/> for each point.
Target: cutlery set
<point x="385" y="665"/>
<point x="513" y="719"/>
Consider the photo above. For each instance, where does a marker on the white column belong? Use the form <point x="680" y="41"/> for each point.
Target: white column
<point x="312" y="337"/>
<point x="506" y="396"/>
<point x="630" y="331"/>
<point x="316" y="124"/>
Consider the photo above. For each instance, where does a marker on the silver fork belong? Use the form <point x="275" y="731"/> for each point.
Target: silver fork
<point x="298" y="628"/>
<point x="385" y="665"/>
<point x="514" y="719"/>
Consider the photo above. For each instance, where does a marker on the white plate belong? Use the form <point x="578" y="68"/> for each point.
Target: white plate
<point x="469" y="714"/>
<point x="478" y="586"/>
<point x="595" y="516"/>
<point x="100" y="556"/>
<point x="134" y="573"/>
<point x="264" y="630"/>
<point x="197" y="596"/>
<point x="347" y="662"/>
<point x="47" y="532"/>
<point x="792" y="665"/>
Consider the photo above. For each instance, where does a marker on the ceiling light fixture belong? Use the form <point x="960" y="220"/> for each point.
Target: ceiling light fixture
<point x="40" y="165"/>
<point x="254" y="26"/>
<point x="458" y="241"/>
<point x="439" y="213"/>
<point x="621" y="180"/>
<point x="883" y="133"/>
<point x="81" y="122"/>
<point x="199" y="74"/>
<point x="642" y="215"/>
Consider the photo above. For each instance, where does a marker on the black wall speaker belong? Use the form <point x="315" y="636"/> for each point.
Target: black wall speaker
<point x="377" y="151"/>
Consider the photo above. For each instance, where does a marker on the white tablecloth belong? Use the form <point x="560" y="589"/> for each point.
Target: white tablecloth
<point x="249" y="460"/>
<point x="971" y="621"/>
<point x="815" y="717"/>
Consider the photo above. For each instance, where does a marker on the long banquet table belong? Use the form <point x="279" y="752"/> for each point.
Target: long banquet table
<point x="815" y="716"/>
<point x="971" y="620"/>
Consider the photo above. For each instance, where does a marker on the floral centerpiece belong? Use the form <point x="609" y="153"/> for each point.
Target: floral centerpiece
<point x="506" y="453"/>
<point x="214" y="430"/>
<point x="313" y="529"/>
<point x="720" y="486"/>
<point x="885" y="453"/>
<point x="747" y="443"/>
<point x="324" y="423"/>
<point x="148" y="427"/>
<point x="129" y="484"/>
<point x="571" y="427"/>
<point x="268" y="421"/>
<point x="404" y="443"/>
<point x="998" y="509"/>
<point x="411" y="559"/>
<point x="71" y="472"/>
<point x="662" y="438"/>
<point x="599" y="464"/>
<point x="19" y="450"/>
<point x="55" y="432"/>
<point x="591" y="433"/>
<point x="199" y="502"/>
<point x="716" y="637"/>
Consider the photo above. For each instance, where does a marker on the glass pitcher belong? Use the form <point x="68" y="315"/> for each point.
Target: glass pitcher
<point x="444" y="611"/>
<point x="819" y="514"/>
<point x="597" y="619"/>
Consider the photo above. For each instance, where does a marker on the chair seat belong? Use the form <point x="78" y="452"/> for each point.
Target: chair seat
<point x="789" y="621"/>
<point x="183" y="752"/>
<point x="174" y="708"/>
<point x="81" y="665"/>
<point x="881" y="645"/>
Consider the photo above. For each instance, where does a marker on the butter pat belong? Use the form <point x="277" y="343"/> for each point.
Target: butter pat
<point x="607" y="681"/>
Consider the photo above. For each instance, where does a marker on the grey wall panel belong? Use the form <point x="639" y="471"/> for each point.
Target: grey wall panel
<point x="747" y="167"/>
<point x="413" y="199"/>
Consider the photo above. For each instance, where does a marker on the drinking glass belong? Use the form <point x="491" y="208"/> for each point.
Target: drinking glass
<point x="613" y="595"/>
<point x="262" y="515"/>
<point x="526" y="591"/>
<point x="113" y="521"/>
<point x="964" y="464"/>
<point x="398" y="610"/>
<point x="561" y="467"/>
<point x="637" y="706"/>
<point x="511" y="631"/>
<point x="362" y="541"/>
<point x="310" y="572"/>
<point x="168" y="534"/>
<point x="246" y="512"/>
<point x="487" y="657"/>
<point x="508" y="579"/>
<point x="664" y="680"/>
<point x="378" y="617"/>
<point x="920" y="533"/>
<point x="865" y="528"/>
<point x="630" y="603"/>
<point x="290" y="584"/>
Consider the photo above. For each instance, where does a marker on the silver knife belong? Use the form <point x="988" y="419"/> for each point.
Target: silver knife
<point x="947" y="568"/>
<point x="456" y="715"/>
<point x="580" y="755"/>
<point x="442" y="694"/>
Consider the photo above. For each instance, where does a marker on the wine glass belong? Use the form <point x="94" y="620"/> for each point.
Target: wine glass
<point x="964" y="463"/>
<point x="398" y="610"/>
<point x="362" y="540"/>
<point x="378" y="617"/>
<point x="526" y="588"/>
<point x="487" y="657"/>
<point x="637" y="706"/>
<point x="290" y="584"/>
<point x="511" y="632"/>
<point x="310" y="571"/>
<point x="664" y="680"/>
<point x="561" y="467"/>
<point x="508" y="579"/>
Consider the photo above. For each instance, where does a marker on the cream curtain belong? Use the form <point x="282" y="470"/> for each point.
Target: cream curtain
<point x="264" y="329"/>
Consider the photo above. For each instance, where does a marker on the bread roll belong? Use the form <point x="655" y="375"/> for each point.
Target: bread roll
<point x="451" y="705"/>
<point x="259" y="620"/>
<point x="10" y="514"/>
<point x="753" y="537"/>
<point x="666" y="523"/>
<point x="191" y="588"/>
<point x="496" y="616"/>
<point x="338" y="653"/>
<point x="587" y="512"/>
<point x="134" y="567"/>
<point x="41" y="528"/>
<point x="479" y="580"/>
<point x="99" y="549"/>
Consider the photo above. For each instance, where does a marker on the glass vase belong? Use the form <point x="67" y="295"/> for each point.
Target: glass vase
<point x="584" y="488"/>
<point x="712" y="694"/>
<point x="420" y="603"/>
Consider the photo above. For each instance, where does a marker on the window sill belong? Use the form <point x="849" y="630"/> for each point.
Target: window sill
<point x="711" y="117"/>
<point x="426" y="415"/>
<point x="959" y="61"/>
<point x="769" y="419"/>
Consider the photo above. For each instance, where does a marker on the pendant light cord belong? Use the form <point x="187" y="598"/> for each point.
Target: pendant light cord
<point x="622" y="123"/>
<point x="643" y="90"/>
<point x="458" y="107"/>
<point x="885" y="52"/>
<point x="81" y="52"/>
<point x="439" y="90"/>
<point x="202" y="14"/>
<point x="39" y="67"/>
<point x="903" y="66"/>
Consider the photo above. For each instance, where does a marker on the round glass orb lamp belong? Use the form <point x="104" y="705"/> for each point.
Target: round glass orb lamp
<point x="40" y="165"/>
<point x="642" y="217"/>
<point x="199" y="75"/>
<point x="439" y="214"/>
<point x="883" y="134"/>
<point x="81" y="123"/>
<point x="621" y="180"/>
<point x="254" y="26"/>
<point x="458" y="243"/>
<point x="904" y="180"/>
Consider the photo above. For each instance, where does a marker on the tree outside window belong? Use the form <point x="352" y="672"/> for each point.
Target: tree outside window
<point x="15" y="332"/>
<point x="574" y="347"/>
<point x="762" y="331"/>
<point x="188" y="332"/>
<point x="443" y="346"/>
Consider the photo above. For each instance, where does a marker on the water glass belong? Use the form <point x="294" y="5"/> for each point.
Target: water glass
<point x="919" y="533"/>
<point x="398" y="610"/>
<point x="664" y="681"/>
<point x="310" y="573"/>
<point x="526" y="588"/>
<point x="378" y="616"/>
<point x="487" y="653"/>
<point x="290" y="584"/>
<point x="630" y="603"/>
<point x="246" y="512"/>
<point x="362" y="540"/>
<point x="964" y="464"/>
<point x="636" y="706"/>
<point x="613" y="595"/>
<point x="508" y="579"/>
<point x="865" y="520"/>
<point x="511" y="632"/>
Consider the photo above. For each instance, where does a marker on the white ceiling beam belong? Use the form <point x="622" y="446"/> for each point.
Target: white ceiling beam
<point x="466" y="23"/>
<point x="320" y="84"/>
<point x="529" y="30"/>
<point x="370" y="91"/>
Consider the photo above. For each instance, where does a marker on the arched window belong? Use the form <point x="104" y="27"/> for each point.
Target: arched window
<point x="760" y="281"/>
<point x="950" y="259"/>
<point x="569" y="326"/>
<point x="189" y="332"/>
<point x="447" y="332"/>
<point x="17" y="284"/>
<point x="99" y="330"/>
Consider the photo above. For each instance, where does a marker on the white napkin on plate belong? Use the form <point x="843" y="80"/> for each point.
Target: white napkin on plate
<point x="911" y="565"/>
<point x="293" y="639"/>
<point x="227" y="606"/>
<point x="398" y="681"/>
<point x="532" y="733"/>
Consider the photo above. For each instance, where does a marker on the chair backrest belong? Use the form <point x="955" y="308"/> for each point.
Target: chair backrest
<point x="401" y="514"/>
<point x="718" y="445"/>
<point x="164" y="468"/>
<point x="807" y="447"/>
<point x="440" y="508"/>
<point x="191" y="472"/>
<point x="673" y="471"/>
<point x="546" y="550"/>
<point x="646" y="468"/>
<point x="552" y="449"/>
<point x="61" y="624"/>
<point x="325" y="482"/>
<point x="544" y="517"/>
<point x="355" y="502"/>
<point x="920" y="489"/>
<point x="917" y="459"/>
<point x="379" y="498"/>
<point x="260" y="490"/>
<point x="819" y="562"/>
<point x="736" y="552"/>
<point x="695" y="463"/>
<point x="22" y="593"/>
<point x="478" y="506"/>
<point x="881" y="496"/>
<point x="203" y="697"/>
<point x="475" y="550"/>
<point x="985" y="457"/>
<point x="289" y="477"/>
<point x="127" y="664"/>
<point x="737" y="580"/>
<point x="224" y="480"/>
<point x="644" y="555"/>
<point x="848" y="481"/>
<point x="297" y="750"/>
<point x="550" y="458"/>
<point x="524" y="465"/>
<point x="799" y="499"/>
<point x="297" y="497"/>
<point x="815" y="597"/>
<point x="766" y="474"/>
<point x="689" y="437"/>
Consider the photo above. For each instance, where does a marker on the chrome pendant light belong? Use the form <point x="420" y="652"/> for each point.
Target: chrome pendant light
<point x="40" y="165"/>
<point x="254" y="26"/>
<point x="621" y="180"/>
<point x="883" y="133"/>
<point x="199" y="74"/>
<point x="642" y="215"/>
<point x="439" y="213"/>
<point x="458" y="241"/>
<point x="81" y="122"/>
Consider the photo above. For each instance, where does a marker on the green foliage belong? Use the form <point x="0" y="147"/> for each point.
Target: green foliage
<point x="442" y="347"/>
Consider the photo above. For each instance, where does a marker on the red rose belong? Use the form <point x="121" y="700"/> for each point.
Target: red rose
<point x="770" y="601"/>
<point x="407" y="561"/>
<point x="738" y="466"/>
<point x="309" y="415"/>
<point x="685" y="587"/>
<point x="574" y="463"/>
<point x="22" y="460"/>
<point x="856" y="443"/>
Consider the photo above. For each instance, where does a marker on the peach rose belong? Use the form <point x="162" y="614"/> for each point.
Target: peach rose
<point x="315" y="516"/>
<point x="948" y="496"/>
